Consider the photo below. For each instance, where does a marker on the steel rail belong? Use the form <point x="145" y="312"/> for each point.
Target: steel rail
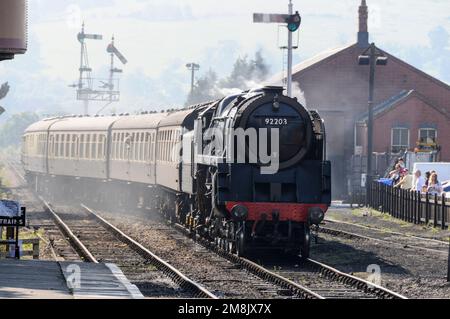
<point x="177" y="276"/>
<point x="261" y="272"/>
<point x="298" y="289"/>
<point x="359" y="283"/>
<point x="351" y="235"/>
<point x="81" y="249"/>
<point x="334" y="221"/>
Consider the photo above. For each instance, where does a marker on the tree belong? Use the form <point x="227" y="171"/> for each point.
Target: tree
<point x="205" y="89"/>
<point x="246" y="72"/>
<point x="244" y="75"/>
<point x="261" y="69"/>
<point x="12" y="130"/>
<point x="242" y="71"/>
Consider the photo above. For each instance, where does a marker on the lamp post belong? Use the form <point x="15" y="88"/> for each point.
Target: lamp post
<point x="372" y="57"/>
<point x="192" y="67"/>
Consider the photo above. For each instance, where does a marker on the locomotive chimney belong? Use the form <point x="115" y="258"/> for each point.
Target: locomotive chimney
<point x="273" y="90"/>
<point x="363" y="32"/>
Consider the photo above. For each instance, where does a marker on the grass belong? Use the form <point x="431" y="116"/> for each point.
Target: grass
<point x="23" y="234"/>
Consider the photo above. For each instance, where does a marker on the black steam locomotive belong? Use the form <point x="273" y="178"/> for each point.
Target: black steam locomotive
<point x="246" y="170"/>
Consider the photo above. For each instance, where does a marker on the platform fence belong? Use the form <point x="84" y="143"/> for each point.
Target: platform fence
<point x="410" y="206"/>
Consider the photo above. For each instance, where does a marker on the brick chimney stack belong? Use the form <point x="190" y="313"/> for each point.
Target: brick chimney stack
<point x="363" y="32"/>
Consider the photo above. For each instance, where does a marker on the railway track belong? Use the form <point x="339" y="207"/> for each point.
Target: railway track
<point x="309" y="280"/>
<point x="279" y="278"/>
<point x="226" y="280"/>
<point x="386" y="237"/>
<point x="97" y="240"/>
<point x="312" y="280"/>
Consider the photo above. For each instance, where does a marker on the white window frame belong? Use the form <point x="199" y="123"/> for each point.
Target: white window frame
<point x="392" y="137"/>
<point x="428" y="129"/>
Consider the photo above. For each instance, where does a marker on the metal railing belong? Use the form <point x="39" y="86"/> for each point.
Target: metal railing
<point x="411" y="206"/>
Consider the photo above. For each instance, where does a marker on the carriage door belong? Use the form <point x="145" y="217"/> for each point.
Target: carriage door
<point x="149" y="155"/>
<point x="128" y="152"/>
<point x="76" y="152"/>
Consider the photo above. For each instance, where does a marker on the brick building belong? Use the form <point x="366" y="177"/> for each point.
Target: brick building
<point x="408" y="103"/>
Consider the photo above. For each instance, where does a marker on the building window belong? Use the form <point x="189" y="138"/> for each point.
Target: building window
<point x="400" y="139"/>
<point x="427" y="135"/>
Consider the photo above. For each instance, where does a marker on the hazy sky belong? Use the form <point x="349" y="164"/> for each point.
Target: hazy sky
<point x="159" y="37"/>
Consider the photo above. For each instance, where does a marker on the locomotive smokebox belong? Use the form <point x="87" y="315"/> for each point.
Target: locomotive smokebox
<point x="13" y="28"/>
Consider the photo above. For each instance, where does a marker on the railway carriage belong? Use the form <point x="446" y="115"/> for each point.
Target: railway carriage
<point x="180" y="162"/>
<point x="77" y="147"/>
<point x="132" y="153"/>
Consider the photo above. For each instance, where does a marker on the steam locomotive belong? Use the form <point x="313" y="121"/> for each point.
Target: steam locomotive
<point x="245" y="171"/>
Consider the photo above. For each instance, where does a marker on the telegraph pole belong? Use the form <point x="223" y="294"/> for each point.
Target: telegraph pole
<point x="292" y="21"/>
<point x="192" y="67"/>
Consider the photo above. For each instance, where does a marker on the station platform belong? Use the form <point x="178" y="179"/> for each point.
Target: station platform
<point x="36" y="279"/>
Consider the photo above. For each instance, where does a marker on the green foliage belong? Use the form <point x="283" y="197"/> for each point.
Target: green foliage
<point x="11" y="131"/>
<point x="205" y="89"/>
<point x="245" y="70"/>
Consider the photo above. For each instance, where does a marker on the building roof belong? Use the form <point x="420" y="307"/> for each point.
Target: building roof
<point x="397" y="99"/>
<point x="328" y="55"/>
<point x="311" y="62"/>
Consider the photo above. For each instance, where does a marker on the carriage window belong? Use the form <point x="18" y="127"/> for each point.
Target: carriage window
<point x="122" y="145"/>
<point x="161" y="146"/>
<point x="93" y="146"/>
<point x="120" y="148"/>
<point x="141" y="147"/>
<point x="113" y="146"/>
<point x="100" y="147"/>
<point x="138" y="147"/>
<point x="147" y="147"/>
<point x="135" y="146"/>
<point x="61" y="145"/>
<point x="52" y="146"/>
<point x="88" y="146"/>
<point x="57" y="145"/>
<point x="166" y="146"/>
<point x="73" y="146"/>
<point x="123" y="155"/>
<point x="66" y="145"/>
<point x="132" y="148"/>
<point x="169" y="146"/>
<point x="82" y="146"/>
<point x="169" y="142"/>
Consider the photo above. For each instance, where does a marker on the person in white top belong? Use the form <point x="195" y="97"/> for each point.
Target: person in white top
<point x="434" y="187"/>
<point x="419" y="181"/>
